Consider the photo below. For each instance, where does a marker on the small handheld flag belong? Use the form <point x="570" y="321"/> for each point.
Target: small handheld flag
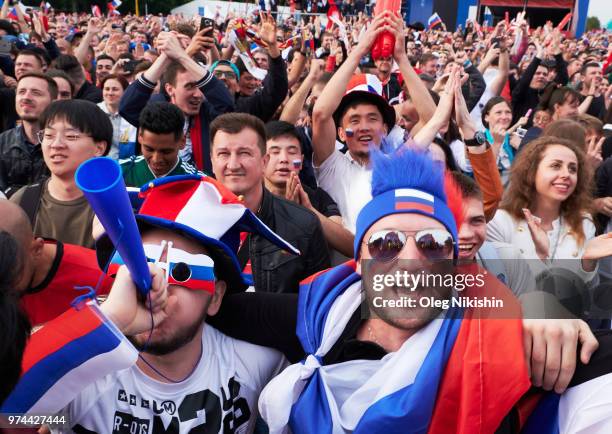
<point x="433" y="21"/>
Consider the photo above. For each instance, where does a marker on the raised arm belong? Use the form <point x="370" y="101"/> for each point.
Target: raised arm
<point x="94" y="27"/>
<point x="424" y="103"/>
<point x="323" y="125"/>
<point x="294" y="106"/>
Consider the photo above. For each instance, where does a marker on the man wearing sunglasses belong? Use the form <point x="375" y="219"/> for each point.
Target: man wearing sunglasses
<point x="370" y="369"/>
<point x="178" y="374"/>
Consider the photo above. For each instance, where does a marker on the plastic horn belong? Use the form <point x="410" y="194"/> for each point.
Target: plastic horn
<point x="102" y="182"/>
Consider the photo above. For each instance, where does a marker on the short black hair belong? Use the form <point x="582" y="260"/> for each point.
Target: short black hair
<point x="13" y="322"/>
<point x="276" y="129"/>
<point x="162" y="117"/>
<point x="81" y="114"/>
<point x="104" y="57"/>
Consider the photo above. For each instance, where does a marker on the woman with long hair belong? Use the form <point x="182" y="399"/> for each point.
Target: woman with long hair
<point x="546" y="210"/>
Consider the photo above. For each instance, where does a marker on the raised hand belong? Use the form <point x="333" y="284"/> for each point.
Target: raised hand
<point x="168" y="43"/>
<point x="379" y="24"/>
<point x="267" y="31"/>
<point x="398" y="30"/>
<point x="593" y="151"/>
<point x="129" y="314"/>
<point x="538" y="234"/>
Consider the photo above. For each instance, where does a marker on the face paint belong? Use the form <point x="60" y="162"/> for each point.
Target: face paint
<point x="349" y="132"/>
<point x="297" y="164"/>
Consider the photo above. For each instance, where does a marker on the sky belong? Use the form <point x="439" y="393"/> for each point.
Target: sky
<point x="602" y="9"/>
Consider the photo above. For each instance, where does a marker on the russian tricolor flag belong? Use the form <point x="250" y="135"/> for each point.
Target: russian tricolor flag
<point x="408" y="198"/>
<point x="95" y="11"/>
<point x="433" y="21"/>
<point x="64" y="356"/>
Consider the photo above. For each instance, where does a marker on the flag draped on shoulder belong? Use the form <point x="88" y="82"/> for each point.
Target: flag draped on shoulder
<point x="64" y="356"/>
<point x="435" y="380"/>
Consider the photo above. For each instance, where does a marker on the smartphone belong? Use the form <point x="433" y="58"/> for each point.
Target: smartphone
<point x="495" y="42"/>
<point x="207" y="22"/>
<point x="521" y="132"/>
<point x="130" y="66"/>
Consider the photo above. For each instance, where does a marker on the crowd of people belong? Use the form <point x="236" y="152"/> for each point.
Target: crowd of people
<point x="280" y="162"/>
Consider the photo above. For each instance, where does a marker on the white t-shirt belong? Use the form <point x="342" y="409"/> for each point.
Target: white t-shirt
<point x="220" y="396"/>
<point x="348" y="183"/>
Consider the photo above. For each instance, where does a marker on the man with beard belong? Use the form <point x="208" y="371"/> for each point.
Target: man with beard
<point x="371" y="368"/>
<point x="353" y="109"/>
<point x="179" y="375"/>
<point x="21" y="159"/>
<point x="186" y="84"/>
<point x="25" y="62"/>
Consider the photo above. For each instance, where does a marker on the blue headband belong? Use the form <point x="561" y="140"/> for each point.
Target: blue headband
<point x="404" y="200"/>
<point x="228" y="63"/>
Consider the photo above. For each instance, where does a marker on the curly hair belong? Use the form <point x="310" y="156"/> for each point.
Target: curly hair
<point x="522" y="192"/>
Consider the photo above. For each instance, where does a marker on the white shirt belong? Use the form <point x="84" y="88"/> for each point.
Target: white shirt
<point x="220" y="396"/>
<point x="348" y="183"/>
<point x="563" y="244"/>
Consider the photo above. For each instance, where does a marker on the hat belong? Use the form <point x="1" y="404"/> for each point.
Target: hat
<point x="408" y="182"/>
<point x="227" y="63"/>
<point x="201" y="208"/>
<point x="365" y="88"/>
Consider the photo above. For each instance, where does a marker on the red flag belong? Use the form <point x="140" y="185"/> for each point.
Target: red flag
<point x="566" y="19"/>
<point x="333" y="11"/>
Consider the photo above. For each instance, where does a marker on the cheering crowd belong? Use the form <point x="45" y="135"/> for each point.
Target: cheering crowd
<point x="281" y="162"/>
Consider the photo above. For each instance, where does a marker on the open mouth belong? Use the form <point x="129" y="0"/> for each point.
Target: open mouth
<point x="365" y="139"/>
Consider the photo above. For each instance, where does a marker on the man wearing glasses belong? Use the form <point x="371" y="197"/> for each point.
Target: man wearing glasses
<point x="72" y="131"/>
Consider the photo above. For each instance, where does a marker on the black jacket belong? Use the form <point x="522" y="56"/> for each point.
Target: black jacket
<point x="524" y="97"/>
<point x="217" y="101"/>
<point x="275" y="270"/>
<point x="266" y="101"/>
<point x="21" y="162"/>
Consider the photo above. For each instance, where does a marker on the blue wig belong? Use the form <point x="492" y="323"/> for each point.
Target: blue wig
<point x="408" y="181"/>
<point x="406" y="168"/>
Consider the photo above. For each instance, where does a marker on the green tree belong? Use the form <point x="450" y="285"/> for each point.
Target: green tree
<point x="593" y="23"/>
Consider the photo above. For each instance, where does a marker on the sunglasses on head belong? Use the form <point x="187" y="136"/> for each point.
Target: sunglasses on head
<point x="183" y="268"/>
<point x="434" y="244"/>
